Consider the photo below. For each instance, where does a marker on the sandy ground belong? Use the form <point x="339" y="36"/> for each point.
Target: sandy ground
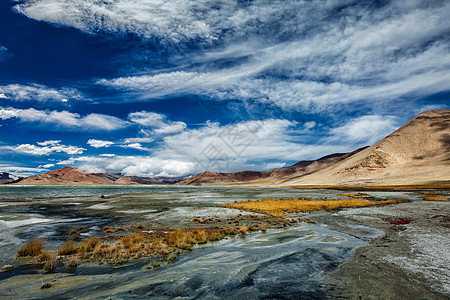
<point x="410" y="261"/>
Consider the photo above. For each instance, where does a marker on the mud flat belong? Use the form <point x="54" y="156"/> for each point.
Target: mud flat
<point x="411" y="260"/>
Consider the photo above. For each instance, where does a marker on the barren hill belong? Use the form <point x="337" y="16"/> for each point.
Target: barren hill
<point x="416" y="153"/>
<point x="72" y="176"/>
<point x="302" y="167"/>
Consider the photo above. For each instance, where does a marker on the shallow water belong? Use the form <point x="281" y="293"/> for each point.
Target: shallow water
<point x="288" y="263"/>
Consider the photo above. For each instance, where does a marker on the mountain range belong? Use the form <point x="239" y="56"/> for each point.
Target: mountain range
<point x="418" y="153"/>
<point x="73" y="176"/>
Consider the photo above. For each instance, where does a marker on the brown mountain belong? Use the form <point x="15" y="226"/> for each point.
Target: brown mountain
<point x="302" y="167"/>
<point x="416" y="153"/>
<point x="72" y="176"/>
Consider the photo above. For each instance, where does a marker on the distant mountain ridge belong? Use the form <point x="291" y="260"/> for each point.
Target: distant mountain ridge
<point x="73" y="176"/>
<point x="302" y="167"/>
<point x="418" y="153"/>
<point x="6" y="177"/>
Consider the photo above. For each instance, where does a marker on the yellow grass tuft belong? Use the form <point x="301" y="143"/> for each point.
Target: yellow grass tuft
<point x="427" y="192"/>
<point x="74" y="232"/>
<point x="87" y="245"/>
<point x="434" y="198"/>
<point x="228" y="230"/>
<point x="243" y="229"/>
<point x="31" y="248"/>
<point x="355" y="195"/>
<point x="277" y="214"/>
<point x="108" y="229"/>
<point x="50" y="263"/>
<point x="277" y="208"/>
<point x="68" y="248"/>
<point x="72" y="262"/>
<point x="48" y="258"/>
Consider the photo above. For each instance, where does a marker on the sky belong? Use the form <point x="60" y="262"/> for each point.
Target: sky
<point x="174" y="88"/>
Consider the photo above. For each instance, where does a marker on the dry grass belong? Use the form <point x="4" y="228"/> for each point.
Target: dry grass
<point x="277" y="208"/>
<point x="228" y="230"/>
<point x="68" y="248"/>
<point x="72" y="262"/>
<point x="31" y="248"/>
<point x="243" y="230"/>
<point x="48" y="258"/>
<point x="108" y="229"/>
<point x="74" y="232"/>
<point x="355" y="195"/>
<point x="116" y="249"/>
<point x="434" y="198"/>
<point x="87" y="245"/>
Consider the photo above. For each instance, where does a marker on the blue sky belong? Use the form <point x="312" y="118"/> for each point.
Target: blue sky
<point x="173" y="88"/>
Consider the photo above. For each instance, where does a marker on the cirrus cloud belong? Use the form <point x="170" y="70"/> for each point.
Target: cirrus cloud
<point x="38" y="92"/>
<point x="64" y="120"/>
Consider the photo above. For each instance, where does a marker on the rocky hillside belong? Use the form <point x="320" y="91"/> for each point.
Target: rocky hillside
<point x="72" y="176"/>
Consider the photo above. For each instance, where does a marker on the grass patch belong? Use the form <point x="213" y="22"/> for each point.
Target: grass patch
<point x="434" y="198"/>
<point x="48" y="258"/>
<point x="31" y="248"/>
<point x="74" y="232"/>
<point x="68" y="248"/>
<point x="72" y="262"/>
<point x="277" y="208"/>
<point x="355" y="195"/>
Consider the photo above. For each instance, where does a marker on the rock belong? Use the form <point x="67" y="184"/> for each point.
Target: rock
<point x="7" y="268"/>
<point x="46" y="285"/>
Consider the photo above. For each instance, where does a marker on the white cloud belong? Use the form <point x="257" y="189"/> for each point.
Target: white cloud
<point x="310" y="59"/>
<point x="47" y="149"/>
<point x="139" y="140"/>
<point x="176" y="21"/>
<point x="47" y="166"/>
<point x="21" y="171"/>
<point x="108" y="155"/>
<point x="89" y="159"/>
<point x="99" y="143"/>
<point x="64" y="119"/>
<point x="157" y="122"/>
<point x="51" y="143"/>
<point x="146" y="118"/>
<point x="38" y="92"/>
<point x="368" y="129"/>
<point x="233" y="147"/>
<point x="137" y="146"/>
